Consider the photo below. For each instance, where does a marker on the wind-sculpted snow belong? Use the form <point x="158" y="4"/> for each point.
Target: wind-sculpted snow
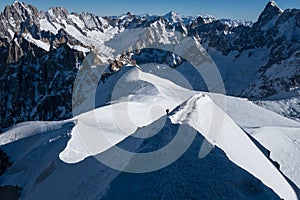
<point x="112" y="123"/>
<point x="233" y="141"/>
<point x="215" y="177"/>
<point x="90" y="179"/>
<point x="143" y="133"/>
<point x="283" y="143"/>
<point x="104" y="125"/>
<point x="28" y="129"/>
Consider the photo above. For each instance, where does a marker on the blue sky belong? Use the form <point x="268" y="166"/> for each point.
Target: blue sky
<point x="235" y="9"/>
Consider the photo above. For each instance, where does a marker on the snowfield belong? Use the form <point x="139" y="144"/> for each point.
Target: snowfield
<point x="286" y="104"/>
<point x="44" y="152"/>
<point x="151" y="96"/>
<point x="283" y="142"/>
<point x="271" y="130"/>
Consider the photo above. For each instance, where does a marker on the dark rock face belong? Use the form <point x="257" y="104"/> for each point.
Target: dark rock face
<point x="36" y="84"/>
<point x="14" y="15"/>
<point x="269" y="14"/>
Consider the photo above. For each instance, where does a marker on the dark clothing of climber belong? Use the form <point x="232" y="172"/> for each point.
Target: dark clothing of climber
<point x="167" y="111"/>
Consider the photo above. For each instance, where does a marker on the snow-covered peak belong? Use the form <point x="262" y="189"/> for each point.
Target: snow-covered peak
<point x="172" y="17"/>
<point x="18" y="12"/>
<point x="57" y="12"/>
<point x="272" y="9"/>
<point x="274" y="4"/>
<point x="235" y="22"/>
<point x="20" y="5"/>
<point x="208" y="18"/>
<point x="136" y="92"/>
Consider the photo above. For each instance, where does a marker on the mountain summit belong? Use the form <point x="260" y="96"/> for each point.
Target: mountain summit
<point x="269" y="15"/>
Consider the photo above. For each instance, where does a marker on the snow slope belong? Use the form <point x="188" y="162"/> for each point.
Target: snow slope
<point x="75" y="151"/>
<point x="231" y="140"/>
<point x="213" y="177"/>
<point x="39" y="43"/>
<point x="84" y="30"/>
<point x="286" y="104"/>
<point x="28" y="129"/>
<point x="284" y="144"/>
<point x="249" y="115"/>
<point x="142" y="98"/>
<point x="276" y="133"/>
<point x="239" y="67"/>
<point x="38" y="169"/>
<point x="139" y="107"/>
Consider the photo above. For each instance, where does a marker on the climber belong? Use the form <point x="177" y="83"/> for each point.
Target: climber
<point x="167" y="111"/>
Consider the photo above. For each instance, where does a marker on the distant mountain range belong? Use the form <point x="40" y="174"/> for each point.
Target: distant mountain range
<point x="39" y="51"/>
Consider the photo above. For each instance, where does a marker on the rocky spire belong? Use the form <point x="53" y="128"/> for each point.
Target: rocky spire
<point x="269" y="14"/>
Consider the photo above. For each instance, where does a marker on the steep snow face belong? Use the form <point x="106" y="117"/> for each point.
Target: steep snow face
<point x="137" y="100"/>
<point x="242" y="68"/>
<point x="213" y="177"/>
<point x="85" y="133"/>
<point x="139" y="111"/>
<point x="283" y="143"/>
<point x="232" y="140"/>
<point x="28" y="129"/>
<point x="276" y="133"/>
<point x="37" y="168"/>
<point x="38" y="43"/>
<point x="249" y="115"/>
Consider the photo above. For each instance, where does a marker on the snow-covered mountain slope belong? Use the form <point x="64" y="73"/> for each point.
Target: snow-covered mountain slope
<point x="136" y="92"/>
<point x="140" y="111"/>
<point x="249" y="115"/>
<point x="286" y="104"/>
<point x="210" y="175"/>
<point x="229" y="132"/>
<point x="272" y="130"/>
<point x="283" y="143"/>
<point x="274" y="82"/>
<point x="39" y="168"/>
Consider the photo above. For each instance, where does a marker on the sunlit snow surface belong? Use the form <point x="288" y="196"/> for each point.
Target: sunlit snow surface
<point x="145" y="105"/>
